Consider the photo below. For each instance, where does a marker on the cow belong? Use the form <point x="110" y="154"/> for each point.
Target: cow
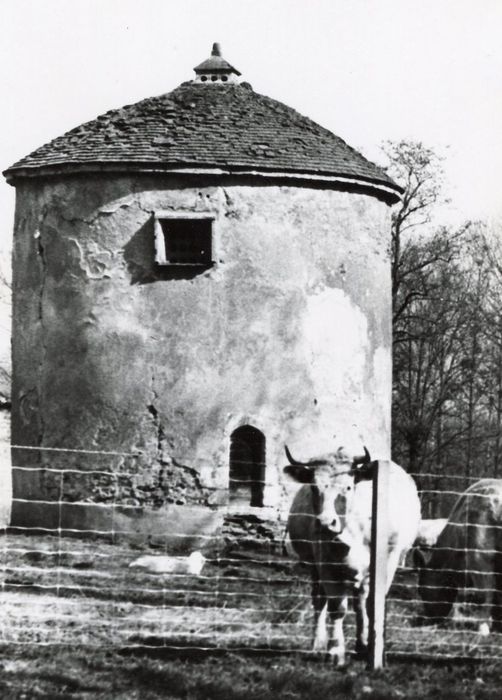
<point x="467" y="554"/>
<point x="329" y="528"/>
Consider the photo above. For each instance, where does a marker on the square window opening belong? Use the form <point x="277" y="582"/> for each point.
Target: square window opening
<point x="184" y="241"/>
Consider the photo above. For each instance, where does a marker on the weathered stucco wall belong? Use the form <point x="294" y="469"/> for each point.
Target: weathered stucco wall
<point x="290" y="332"/>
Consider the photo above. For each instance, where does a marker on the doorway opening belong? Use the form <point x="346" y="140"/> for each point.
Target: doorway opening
<point x="247" y="466"/>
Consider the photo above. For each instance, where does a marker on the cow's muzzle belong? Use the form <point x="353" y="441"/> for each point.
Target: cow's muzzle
<point x="332" y="524"/>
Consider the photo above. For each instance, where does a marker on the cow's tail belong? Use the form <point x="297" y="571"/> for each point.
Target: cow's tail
<point x="288" y="548"/>
<point x="284" y="547"/>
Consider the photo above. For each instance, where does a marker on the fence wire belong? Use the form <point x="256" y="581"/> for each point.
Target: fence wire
<point x="76" y="586"/>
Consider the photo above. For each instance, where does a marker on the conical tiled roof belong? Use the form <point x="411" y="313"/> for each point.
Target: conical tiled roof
<point x="222" y="127"/>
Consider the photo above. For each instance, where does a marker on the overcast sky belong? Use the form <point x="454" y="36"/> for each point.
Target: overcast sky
<point x="368" y="70"/>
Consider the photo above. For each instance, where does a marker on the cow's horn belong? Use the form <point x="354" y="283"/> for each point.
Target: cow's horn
<point x="363" y="459"/>
<point x="291" y="460"/>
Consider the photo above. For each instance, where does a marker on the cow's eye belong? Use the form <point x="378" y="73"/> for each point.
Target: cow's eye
<point x="349" y="488"/>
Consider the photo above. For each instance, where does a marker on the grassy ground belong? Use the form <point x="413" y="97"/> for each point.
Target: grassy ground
<point x="49" y="672"/>
<point x="77" y="622"/>
<point x="72" y="591"/>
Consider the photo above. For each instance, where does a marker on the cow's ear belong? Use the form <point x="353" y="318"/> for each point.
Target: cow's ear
<point x="300" y="473"/>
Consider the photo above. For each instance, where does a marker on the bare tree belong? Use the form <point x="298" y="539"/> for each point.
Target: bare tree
<point x="442" y="280"/>
<point x="419" y="171"/>
<point x="428" y="363"/>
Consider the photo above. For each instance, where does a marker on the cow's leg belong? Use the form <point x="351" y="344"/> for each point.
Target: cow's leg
<point x="362" y="620"/>
<point x="337" y="608"/>
<point x="320" y="614"/>
<point x="486" y="584"/>
<point x="321" y="630"/>
<point x="479" y="567"/>
<point x="497" y="604"/>
<point x="486" y="575"/>
<point x="393" y="559"/>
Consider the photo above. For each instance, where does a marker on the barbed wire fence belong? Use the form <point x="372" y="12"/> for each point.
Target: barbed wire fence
<point x="65" y="585"/>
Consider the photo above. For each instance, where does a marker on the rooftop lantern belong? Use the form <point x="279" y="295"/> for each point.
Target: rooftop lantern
<point x="215" y="69"/>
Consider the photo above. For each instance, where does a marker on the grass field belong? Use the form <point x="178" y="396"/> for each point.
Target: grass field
<point x="64" y="673"/>
<point x="77" y="622"/>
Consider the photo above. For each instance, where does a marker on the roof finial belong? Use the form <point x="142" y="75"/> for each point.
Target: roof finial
<point x="215" y="69"/>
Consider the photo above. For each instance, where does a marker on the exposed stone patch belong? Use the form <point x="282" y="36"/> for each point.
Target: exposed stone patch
<point x="250" y="533"/>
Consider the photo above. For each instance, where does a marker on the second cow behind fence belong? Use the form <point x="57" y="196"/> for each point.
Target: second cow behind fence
<point x="329" y="528"/>
<point x="466" y="556"/>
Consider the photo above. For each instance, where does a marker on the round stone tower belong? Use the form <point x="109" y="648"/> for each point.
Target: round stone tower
<point x="199" y="278"/>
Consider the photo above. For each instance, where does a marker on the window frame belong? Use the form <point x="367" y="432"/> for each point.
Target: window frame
<point x="160" y="240"/>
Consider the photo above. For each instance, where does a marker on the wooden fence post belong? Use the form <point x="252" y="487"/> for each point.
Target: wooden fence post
<point x="378" y="565"/>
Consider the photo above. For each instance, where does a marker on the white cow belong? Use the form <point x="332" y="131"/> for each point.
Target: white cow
<point x="329" y="527"/>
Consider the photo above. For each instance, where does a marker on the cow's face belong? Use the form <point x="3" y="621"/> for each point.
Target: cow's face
<point x="333" y="477"/>
<point x="335" y="486"/>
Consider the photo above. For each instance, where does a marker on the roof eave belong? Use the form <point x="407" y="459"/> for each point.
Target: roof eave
<point x="387" y="187"/>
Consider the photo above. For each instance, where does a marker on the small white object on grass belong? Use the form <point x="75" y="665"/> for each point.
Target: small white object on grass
<point x="484" y="629"/>
<point x="170" y="565"/>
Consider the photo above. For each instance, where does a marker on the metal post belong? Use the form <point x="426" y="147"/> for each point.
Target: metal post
<point x="378" y="564"/>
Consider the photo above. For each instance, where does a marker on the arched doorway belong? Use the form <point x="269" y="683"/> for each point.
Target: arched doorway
<point x="247" y="466"/>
